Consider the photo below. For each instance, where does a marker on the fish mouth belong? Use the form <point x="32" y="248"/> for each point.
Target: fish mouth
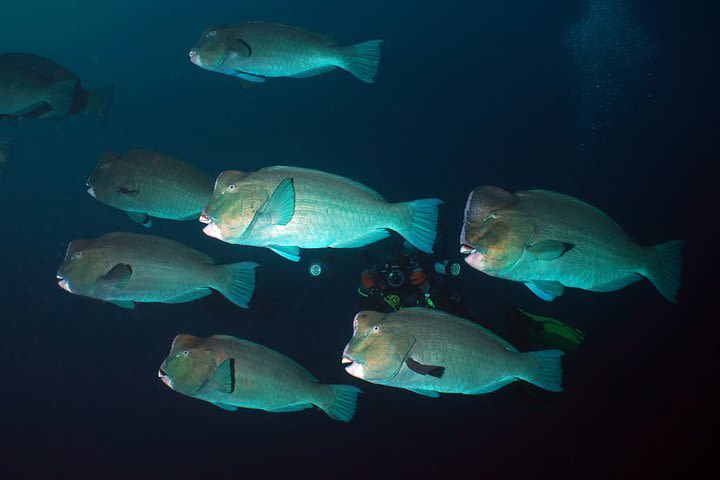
<point x="354" y="368"/>
<point x="466" y="249"/>
<point x="195" y="58"/>
<point x="212" y="230"/>
<point x="204" y="218"/>
<point x="91" y="190"/>
<point x="63" y="283"/>
<point x="165" y="378"/>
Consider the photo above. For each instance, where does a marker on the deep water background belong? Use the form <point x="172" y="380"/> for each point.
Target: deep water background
<point x="468" y="93"/>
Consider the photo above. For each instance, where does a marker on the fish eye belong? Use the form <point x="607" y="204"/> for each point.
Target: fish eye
<point x="212" y="33"/>
<point x="105" y="166"/>
<point x="376" y="328"/>
<point x="77" y="255"/>
<point x="184" y="353"/>
<point x="495" y="213"/>
<point x="231" y="187"/>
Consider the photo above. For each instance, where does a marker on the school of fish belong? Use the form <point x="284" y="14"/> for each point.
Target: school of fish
<point x="546" y="240"/>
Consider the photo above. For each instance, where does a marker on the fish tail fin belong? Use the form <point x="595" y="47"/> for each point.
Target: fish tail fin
<point x="544" y="369"/>
<point x="363" y="60"/>
<point x="6" y="144"/>
<point x="99" y="102"/>
<point x="665" y="268"/>
<point x="239" y="285"/>
<point x="420" y="223"/>
<point x="340" y="401"/>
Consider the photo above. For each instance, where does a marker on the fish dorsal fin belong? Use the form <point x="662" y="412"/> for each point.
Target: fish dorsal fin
<point x="223" y="378"/>
<point x="119" y="275"/>
<point x="330" y="176"/>
<point x="326" y="38"/>
<point x="576" y="201"/>
<point x="434" y="315"/>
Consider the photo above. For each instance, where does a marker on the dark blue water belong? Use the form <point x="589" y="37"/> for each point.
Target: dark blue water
<point x="615" y="105"/>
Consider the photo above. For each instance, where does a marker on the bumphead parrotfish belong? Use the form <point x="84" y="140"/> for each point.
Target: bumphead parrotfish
<point x="550" y="241"/>
<point x="124" y="268"/>
<point x="254" y="51"/>
<point x="288" y="208"/>
<point x="231" y="372"/>
<point x="430" y="352"/>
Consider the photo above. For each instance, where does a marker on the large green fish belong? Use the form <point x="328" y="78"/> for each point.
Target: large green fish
<point x="288" y="208"/>
<point x="230" y="372"/>
<point x="550" y="241"/>
<point x="35" y="87"/>
<point x="144" y="183"/>
<point x="124" y="268"/>
<point x="431" y="352"/>
<point x="254" y="51"/>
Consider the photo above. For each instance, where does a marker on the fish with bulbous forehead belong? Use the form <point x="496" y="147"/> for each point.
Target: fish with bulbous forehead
<point x="231" y="372"/>
<point x="124" y="268"/>
<point x="35" y="87"/>
<point x="550" y="241"/>
<point x="431" y="352"/>
<point x="147" y="184"/>
<point x="288" y="208"/>
<point x="254" y="51"/>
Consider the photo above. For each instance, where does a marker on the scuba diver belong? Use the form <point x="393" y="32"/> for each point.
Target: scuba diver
<point x="409" y="278"/>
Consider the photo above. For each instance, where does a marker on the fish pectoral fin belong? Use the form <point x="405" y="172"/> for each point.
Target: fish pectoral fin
<point x="365" y="239"/>
<point x="427" y="393"/>
<point x="141" y="218"/>
<point x="249" y="76"/>
<point x="245" y="45"/>
<point x="617" y="284"/>
<point x="128" y="192"/>
<point x="417" y="367"/>
<point x="290" y="252"/>
<point x="223" y="378"/>
<point x="546" y="289"/>
<point x="123" y="303"/>
<point x="280" y="207"/>
<point x="119" y="275"/>
<point x="225" y="406"/>
<point x="313" y="72"/>
<point x="549" y="249"/>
